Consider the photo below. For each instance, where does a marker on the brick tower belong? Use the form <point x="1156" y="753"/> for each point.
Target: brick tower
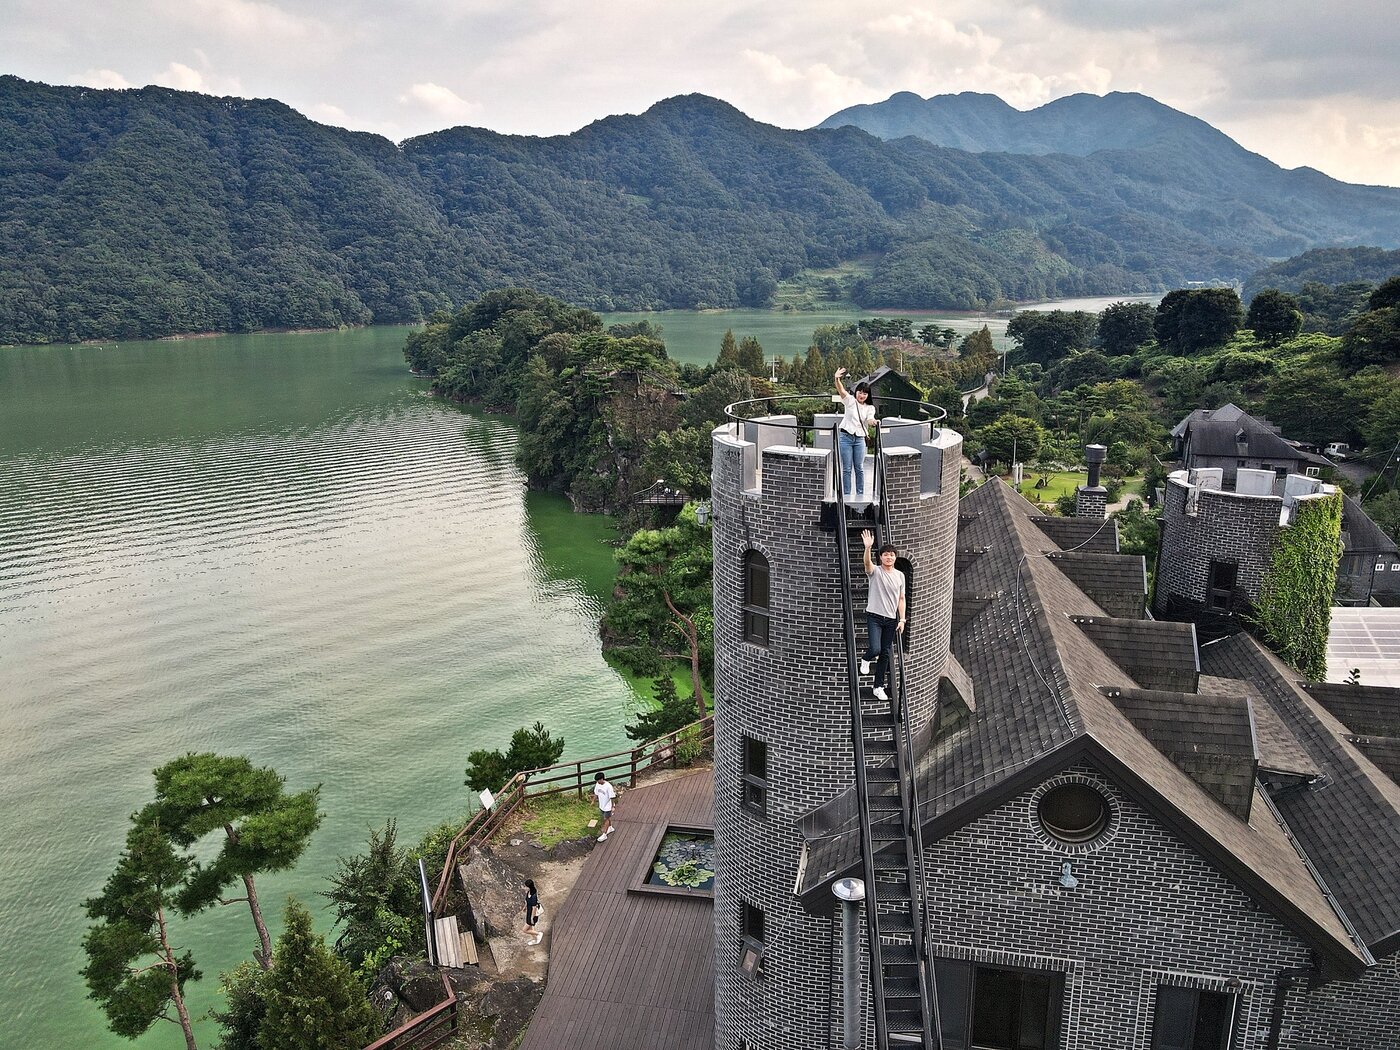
<point x="782" y="714"/>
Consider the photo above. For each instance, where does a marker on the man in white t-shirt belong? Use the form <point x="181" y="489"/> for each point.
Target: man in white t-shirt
<point x="605" y="794"/>
<point x="884" y="610"/>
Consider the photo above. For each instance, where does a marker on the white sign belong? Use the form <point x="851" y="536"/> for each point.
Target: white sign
<point x="487" y="799"/>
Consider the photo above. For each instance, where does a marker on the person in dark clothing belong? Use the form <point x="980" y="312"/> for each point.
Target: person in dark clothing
<point x="532" y="913"/>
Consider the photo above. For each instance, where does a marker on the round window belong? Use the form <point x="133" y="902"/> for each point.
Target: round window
<point x="1072" y="812"/>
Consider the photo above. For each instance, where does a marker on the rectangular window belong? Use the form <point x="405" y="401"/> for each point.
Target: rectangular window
<point x="753" y="923"/>
<point x="755" y="775"/>
<point x="756" y="599"/>
<point x="751" y="943"/>
<point x="1191" y="1019"/>
<point x="1221" y="592"/>
<point x="995" y="1008"/>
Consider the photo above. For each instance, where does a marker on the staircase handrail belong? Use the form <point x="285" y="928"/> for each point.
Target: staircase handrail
<point x="872" y="916"/>
<point x="928" y="984"/>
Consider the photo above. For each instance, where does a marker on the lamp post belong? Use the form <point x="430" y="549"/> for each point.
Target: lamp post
<point x="851" y="893"/>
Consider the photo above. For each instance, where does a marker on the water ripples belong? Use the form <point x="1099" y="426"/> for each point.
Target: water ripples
<point x="355" y="599"/>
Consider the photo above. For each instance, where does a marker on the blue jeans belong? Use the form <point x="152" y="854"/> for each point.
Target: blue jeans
<point x="852" y="450"/>
<point x="880" y="630"/>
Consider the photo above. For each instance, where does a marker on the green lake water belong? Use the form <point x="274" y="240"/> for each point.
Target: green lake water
<point x="272" y="545"/>
<point x="275" y="545"/>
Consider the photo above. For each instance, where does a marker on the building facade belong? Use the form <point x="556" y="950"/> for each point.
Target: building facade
<point x="1134" y="841"/>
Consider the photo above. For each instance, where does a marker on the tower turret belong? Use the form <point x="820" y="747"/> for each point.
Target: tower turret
<point x="782" y="711"/>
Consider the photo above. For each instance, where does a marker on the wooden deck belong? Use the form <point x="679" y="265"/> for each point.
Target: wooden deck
<point x="632" y="971"/>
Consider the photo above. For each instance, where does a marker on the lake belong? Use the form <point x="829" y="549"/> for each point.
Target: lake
<point x="275" y="545"/>
<point x="272" y="545"/>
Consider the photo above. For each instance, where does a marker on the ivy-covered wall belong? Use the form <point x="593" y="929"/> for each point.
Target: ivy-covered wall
<point x="1294" y="610"/>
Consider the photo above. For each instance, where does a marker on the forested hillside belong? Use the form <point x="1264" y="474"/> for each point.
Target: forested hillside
<point x="149" y="212"/>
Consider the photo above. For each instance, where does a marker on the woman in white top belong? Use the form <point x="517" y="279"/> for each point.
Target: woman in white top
<point x="855" y="424"/>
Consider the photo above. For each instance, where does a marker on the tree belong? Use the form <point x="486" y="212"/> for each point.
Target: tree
<point x="751" y="357"/>
<point x="530" y="748"/>
<point x="245" y="1005"/>
<point x="1123" y="327"/>
<point x="672" y="711"/>
<point x="1012" y="439"/>
<point x="728" y="352"/>
<point x="132" y="970"/>
<point x="263" y="828"/>
<point x="663" y="596"/>
<point x="1274" y="316"/>
<point x="373" y="892"/>
<point x="1045" y="337"/>
<point x="1374" y="339"/>
<point x="1190" y="320"/>
<point x="313" y="1000"/>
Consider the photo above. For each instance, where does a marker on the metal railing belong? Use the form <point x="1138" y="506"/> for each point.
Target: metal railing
<point x="569" y="776"/>
<point x="431" y="1028"/>
<point x="933" y="1028"/>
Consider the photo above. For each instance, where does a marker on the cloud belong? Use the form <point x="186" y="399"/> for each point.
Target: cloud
<point x="248" y="20"/>
<point x="181" y="77"/>
<point x="816" y="84"/>
<point x="102" y="78"/>
<point x="440" y="101"/>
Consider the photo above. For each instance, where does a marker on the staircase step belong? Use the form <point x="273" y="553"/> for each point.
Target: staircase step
<point x="887" y="831"/>
<point x="891" y="803"/>
<point x="896" y="923"/>
<point x="893" y="892"/>
<point x="888" y="774"/>
<point x="900" y="1040"/>
<point x="900" y="988"/>
<point x="897" y="955"/>
<point x="876" y="746"/>
<point x="880" y="719"/>
<point x="905" y="1022"/>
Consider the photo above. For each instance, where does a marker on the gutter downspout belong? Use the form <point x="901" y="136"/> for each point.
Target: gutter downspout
<point x="1283" y="983"/>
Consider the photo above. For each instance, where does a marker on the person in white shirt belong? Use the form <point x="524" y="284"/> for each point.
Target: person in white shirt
<point x="605" y="794"/>
<point x="855" y="424"/>
<point x="884" y="611"/>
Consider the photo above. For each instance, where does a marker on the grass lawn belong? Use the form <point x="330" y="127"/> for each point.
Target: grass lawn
<point x="552" y="819"/>
<point x="1062" y="483"/>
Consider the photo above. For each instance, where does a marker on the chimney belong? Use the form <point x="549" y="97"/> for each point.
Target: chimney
<point x="1091" y="499"/>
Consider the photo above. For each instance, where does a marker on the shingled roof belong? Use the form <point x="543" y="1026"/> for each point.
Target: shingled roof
<point x="1349" y="823"/>
<point x="1041" y="684"/>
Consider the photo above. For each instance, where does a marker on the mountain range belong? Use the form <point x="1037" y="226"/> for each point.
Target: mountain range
<point x="145" y="212"/>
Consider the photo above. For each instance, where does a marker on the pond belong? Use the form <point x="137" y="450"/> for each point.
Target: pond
<point x="685" y="860"/>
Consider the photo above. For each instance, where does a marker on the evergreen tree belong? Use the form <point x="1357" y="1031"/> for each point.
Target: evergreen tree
<point x="729" y="352"/>
<point x="313" y="1000"/>
<point x="672" y="712"/>
<point x="133" y="971"/>
<point x="751" y="357"/>
<point x="530" y="748"/>
<point x="261" y="827"/>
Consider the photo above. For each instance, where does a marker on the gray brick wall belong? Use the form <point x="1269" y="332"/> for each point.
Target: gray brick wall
<point x="1091" y="502"/>
<point x="1226" y="526"/>
<point x="792" y="696"/>
<point x="1147" y="911"/>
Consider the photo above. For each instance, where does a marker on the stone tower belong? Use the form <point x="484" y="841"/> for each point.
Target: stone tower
<point x="782" y="713"/>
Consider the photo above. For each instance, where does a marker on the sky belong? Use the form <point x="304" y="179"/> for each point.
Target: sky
<point x="1303" y="83"/>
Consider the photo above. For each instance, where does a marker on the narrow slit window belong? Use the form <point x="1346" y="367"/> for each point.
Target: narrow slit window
<point x="755" y="784"/>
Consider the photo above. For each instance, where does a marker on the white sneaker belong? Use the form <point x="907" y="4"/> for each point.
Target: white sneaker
<point x="603" y="837"/>
<point x="538" y="937"/>
<point x="880" y="693"/>
<point x="864" y="667"/>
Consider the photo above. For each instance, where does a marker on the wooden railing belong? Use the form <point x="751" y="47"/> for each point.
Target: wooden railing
<point x="429" y="1029"/>
<point x="569" y="776"/>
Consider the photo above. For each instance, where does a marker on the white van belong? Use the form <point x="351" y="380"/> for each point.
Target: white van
<point x="1337" y="450"/>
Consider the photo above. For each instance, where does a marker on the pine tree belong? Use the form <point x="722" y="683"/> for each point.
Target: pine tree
<point x="751" y="357"/>
<point x="313" y="1000"/>
<point x="728" y="352"/>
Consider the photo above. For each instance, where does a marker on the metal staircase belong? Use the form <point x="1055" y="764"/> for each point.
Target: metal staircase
<point x="903" y="987"/>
